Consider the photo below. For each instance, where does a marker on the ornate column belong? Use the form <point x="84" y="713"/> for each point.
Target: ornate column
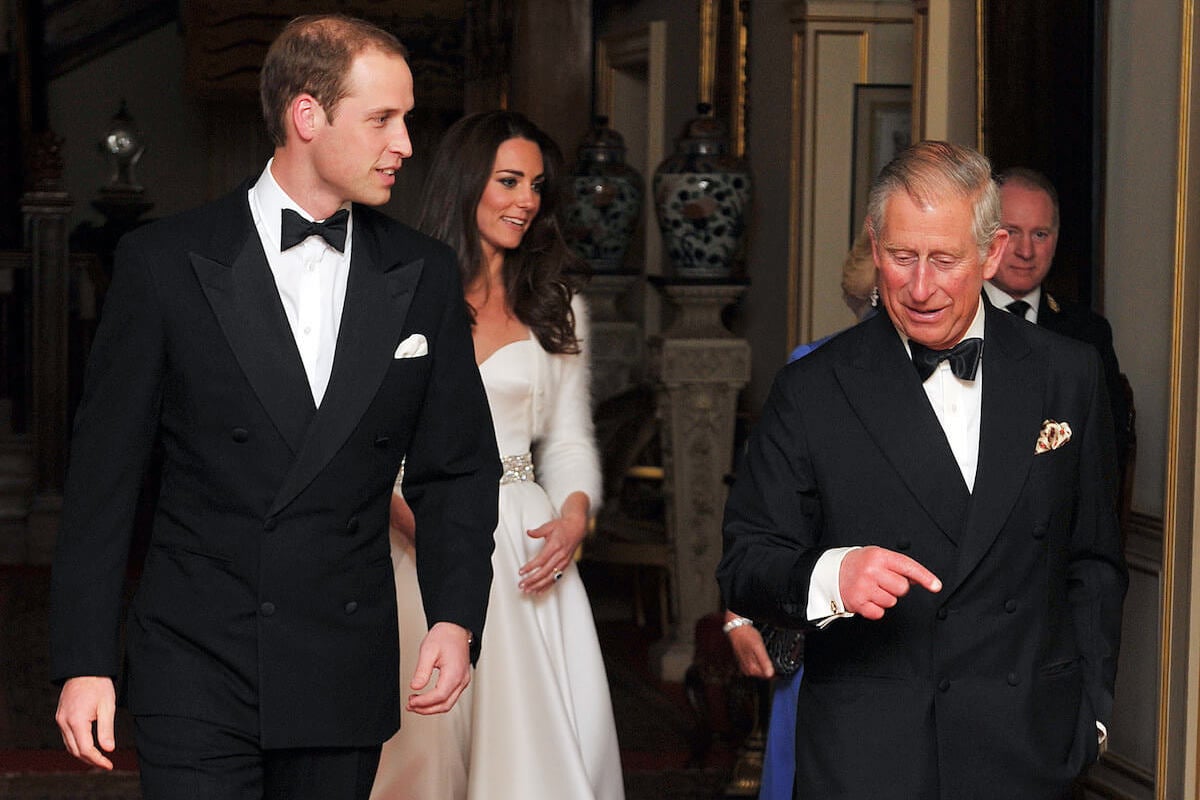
<point x="45" y="208"/>
<point x="616" y="345"/>
<point x="698" y="367"/>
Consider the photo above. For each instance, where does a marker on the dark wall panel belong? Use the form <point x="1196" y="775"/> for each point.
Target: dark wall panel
<point x="1043" y="108"/>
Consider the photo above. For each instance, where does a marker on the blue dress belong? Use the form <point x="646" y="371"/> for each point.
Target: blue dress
<point x="779" y="760"/>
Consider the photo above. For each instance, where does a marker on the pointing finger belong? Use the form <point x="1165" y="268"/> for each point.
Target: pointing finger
<point x="915" y="572"/>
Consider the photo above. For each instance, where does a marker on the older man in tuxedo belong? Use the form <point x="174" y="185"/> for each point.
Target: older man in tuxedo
<point x="288" y="346"/>
<point x="928" y="494"/>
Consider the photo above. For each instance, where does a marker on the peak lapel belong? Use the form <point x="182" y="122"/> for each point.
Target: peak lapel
<point x="378" y="293"/>
<point x="244" y="299"/>
<point x="886" y="394"/>
<point x="1014" y="382"/>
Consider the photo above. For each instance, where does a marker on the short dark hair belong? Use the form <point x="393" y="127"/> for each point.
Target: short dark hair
<point x="313" y="55"/>
<point x="542" y="273"/>
<point x="1029" y="178"/>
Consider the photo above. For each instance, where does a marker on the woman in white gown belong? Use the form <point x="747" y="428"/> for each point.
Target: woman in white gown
<point x="536" y="723"/>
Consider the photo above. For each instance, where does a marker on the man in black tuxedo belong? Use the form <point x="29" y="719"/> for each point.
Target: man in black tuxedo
<point x="287" y="367"/>
<point x="1029" y="212"/>
<point x="948" y="448"/>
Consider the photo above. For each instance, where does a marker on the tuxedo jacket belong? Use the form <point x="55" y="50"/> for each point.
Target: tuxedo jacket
<point x="1081" y="323"/>
<point x="266" y="599"/>
<point x="992" y="687"/>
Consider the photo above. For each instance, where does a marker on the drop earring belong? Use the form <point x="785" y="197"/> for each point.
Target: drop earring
<point x="874" y="297"/>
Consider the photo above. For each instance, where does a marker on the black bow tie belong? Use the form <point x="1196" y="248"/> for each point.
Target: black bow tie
<point x="296" y="229"/>
<point x="963" y="357"/>
<point x="1018" y="307"/>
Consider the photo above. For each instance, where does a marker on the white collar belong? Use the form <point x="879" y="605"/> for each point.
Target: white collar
<point x="1000" y="298"/>
<point x="268" y="200"/>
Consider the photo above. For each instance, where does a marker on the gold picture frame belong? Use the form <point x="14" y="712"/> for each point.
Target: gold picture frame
<point x="724" y="43"/>
<point x="882" y="128"/>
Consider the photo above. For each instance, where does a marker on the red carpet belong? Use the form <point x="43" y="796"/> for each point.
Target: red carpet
<point x="12" y="761"/>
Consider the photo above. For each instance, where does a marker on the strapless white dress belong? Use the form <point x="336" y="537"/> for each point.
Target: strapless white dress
<point x="537" y="722"/>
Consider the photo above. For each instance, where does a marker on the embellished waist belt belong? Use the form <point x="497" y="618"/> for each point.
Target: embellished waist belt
<point x="517" y="468"/>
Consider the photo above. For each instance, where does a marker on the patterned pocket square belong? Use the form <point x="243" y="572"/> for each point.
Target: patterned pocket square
<point x="412" y="347"/>
<point x="1053" y="436"/>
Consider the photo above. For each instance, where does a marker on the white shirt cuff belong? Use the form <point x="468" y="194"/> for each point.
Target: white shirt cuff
<point x="1102" y="733"/>
<point x="824" y="592"/>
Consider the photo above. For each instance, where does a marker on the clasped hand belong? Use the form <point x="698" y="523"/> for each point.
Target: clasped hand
<point x="561" y="538"/>
<point x="873" y="579"/>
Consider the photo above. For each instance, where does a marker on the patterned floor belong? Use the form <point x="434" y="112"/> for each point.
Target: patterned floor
<point x="654" y="724"/>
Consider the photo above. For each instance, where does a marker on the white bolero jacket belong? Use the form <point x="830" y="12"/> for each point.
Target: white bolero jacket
<point x="565" y="456"/>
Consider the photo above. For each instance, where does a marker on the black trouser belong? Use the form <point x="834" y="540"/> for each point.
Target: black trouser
<point x="182" y="759"/>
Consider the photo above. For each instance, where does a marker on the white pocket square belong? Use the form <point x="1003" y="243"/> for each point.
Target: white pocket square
<point x="1053" y="436"/>
<point x="412" y="347"/>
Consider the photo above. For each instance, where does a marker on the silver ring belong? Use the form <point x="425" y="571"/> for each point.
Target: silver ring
<point x="558" y="573"/>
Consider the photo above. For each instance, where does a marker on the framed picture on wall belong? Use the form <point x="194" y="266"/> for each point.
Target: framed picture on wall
<point x="882" y="128"/>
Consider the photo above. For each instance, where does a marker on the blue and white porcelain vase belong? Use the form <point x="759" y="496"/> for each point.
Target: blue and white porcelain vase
<point x="702" y="193"/>
<point x="605" y="200"/>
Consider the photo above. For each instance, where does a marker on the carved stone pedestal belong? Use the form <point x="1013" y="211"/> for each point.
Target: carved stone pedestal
<point x="698" y="367"/>
<point x="616" y="345"/>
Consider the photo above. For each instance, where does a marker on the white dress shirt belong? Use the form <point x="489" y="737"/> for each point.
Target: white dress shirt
<point x="1000" y="299"/>
<point x="311" y="279"/>
<point x="957" y="404"/>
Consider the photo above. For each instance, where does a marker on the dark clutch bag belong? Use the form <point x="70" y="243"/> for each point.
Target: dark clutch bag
<point x="785" y="646"/>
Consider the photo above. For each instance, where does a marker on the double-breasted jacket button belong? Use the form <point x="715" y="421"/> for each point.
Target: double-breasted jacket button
<point x="1013" y="679"/>
<point x="351" y="607"/>
<point x="942" y="613"/>
<point x="240" y="435"/>
<point x="271" y="524"/>
<point x="267" y="609"/>
<point x="944" y="685"/>
<point x="903" y="544"/>
<point x="352" y="525"/>
<point x="1039" y="530"/>
<point x="382" y="441"/>
<point x="1010" y="606"/>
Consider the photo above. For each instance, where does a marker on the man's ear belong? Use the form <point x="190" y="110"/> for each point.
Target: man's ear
<point x="306" y="116"/>
<point x="991" y="263"/>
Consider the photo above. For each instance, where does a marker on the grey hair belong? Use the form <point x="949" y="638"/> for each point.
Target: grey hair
<point x="931" y="171"/>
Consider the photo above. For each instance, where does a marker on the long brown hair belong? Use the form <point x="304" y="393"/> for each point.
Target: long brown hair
<point x="542" y="273"/>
